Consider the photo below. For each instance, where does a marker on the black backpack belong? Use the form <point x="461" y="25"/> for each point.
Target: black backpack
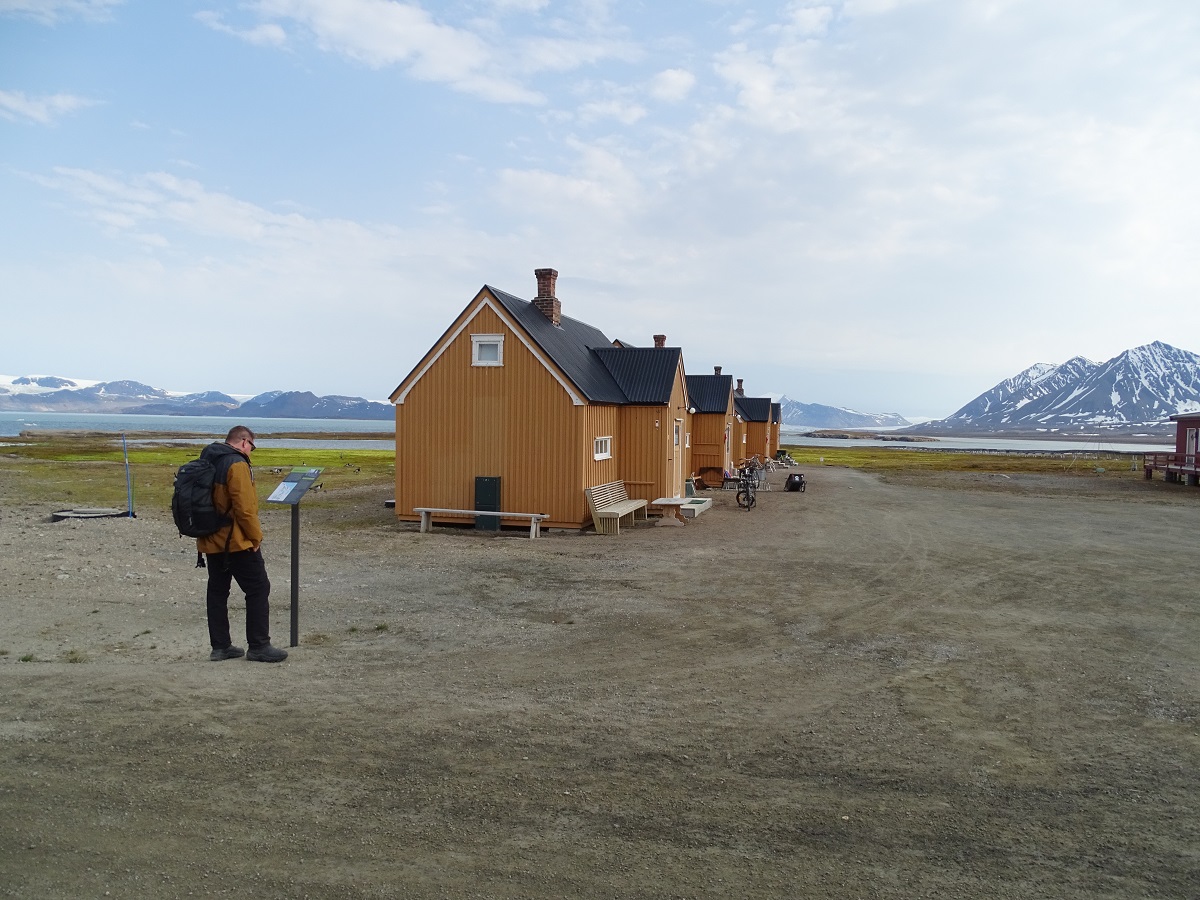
<point x="192" y="503"/>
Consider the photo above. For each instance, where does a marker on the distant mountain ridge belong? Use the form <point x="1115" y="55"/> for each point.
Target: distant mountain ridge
<point x="53" y="393"/>
<point x="1135" y="391"/>
<point x="815" y="415"/>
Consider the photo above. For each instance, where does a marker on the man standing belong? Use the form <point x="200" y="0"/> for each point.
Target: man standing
<point x="234" y="552"/>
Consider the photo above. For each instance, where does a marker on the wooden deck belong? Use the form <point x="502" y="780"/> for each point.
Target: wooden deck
<point x="1174" y="466"/>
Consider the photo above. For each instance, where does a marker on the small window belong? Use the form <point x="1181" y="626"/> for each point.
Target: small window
<point x="602" y="448"/>
<point x="687" y="440"/>
<point x="487" y="349"/>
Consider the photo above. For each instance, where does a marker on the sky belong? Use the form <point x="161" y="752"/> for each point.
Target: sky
<point x="885" y="205"/>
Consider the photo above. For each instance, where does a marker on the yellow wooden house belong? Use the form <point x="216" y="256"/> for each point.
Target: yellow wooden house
<point x="532" y="407"/>
<point x="755" y="416"/>
<point x="713" y="426"/>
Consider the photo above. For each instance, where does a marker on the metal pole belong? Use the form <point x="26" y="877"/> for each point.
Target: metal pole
<point x="295" y="574"/>
<point x="128" y="481"/>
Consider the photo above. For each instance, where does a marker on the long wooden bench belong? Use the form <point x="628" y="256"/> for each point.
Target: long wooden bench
<point x="428" y="512"/>
<point x="610" y="503"/>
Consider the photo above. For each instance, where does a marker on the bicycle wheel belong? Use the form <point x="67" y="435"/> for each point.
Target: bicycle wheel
<point x="744" y="498"/>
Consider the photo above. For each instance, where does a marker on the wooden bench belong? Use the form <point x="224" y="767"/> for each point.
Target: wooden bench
<point x="428" y="512"/>
<point x="610" y="503"/>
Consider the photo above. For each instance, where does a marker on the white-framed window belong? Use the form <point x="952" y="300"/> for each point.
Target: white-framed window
<point x="487" y="349"/>
<point x="602" y="448"/>
<point x="687" y="440"/>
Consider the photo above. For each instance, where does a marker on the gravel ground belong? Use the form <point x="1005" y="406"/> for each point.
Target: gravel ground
<point x="920" y="686"/>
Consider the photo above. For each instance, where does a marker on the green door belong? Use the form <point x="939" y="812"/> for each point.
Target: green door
<point x="487" y="497"/>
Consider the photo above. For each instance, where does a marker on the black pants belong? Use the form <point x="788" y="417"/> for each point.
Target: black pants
<point x="250" y="572"/>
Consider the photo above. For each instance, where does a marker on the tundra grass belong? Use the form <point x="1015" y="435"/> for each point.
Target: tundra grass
<point x="73" y="469"/>
<point x="884" y="459"/>
<point x="89" y="470"/>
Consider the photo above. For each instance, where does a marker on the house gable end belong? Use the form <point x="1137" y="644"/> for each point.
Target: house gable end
<point x="485" y="299"/>
<point x="569" y="344"/>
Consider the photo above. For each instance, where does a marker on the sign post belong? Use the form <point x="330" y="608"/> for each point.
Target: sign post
<point x="290" y="490"/>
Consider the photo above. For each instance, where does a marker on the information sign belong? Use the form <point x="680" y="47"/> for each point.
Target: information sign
<point x="290" y="490"/>
<point x="295" y="485"/>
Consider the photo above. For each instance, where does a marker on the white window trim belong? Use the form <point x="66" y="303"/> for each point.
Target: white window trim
<point x="602" y="447"/>
<point x="478" y="340"/>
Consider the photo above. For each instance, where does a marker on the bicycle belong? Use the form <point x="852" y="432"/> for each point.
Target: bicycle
<point x="747" y="486"/>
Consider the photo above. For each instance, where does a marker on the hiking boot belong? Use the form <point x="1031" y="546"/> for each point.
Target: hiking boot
<point x="220" y="653"/>
<point x="266" y="653"/>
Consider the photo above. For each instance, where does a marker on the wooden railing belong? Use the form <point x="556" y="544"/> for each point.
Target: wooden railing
<point x="1182" y="461"/>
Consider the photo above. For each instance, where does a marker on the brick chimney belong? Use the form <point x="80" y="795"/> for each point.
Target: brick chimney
<point x="741" y="392"/>
<point x="660" y="340"/>
<point x="545" y="299"/>
<point x="716" y="370"/>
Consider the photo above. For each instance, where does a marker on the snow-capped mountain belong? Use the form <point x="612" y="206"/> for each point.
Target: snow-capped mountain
<point x="814" y="415"/>
<point x="53" y="393"/>
<point x="1135" y="391"/>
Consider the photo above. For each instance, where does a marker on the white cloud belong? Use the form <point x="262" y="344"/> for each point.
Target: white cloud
<point x="518" y="6"/>
<point x="625" y="113"/>
<point x="381" y="33"/>
<point x="477" y="57"/>
<point x="51" y="12"/>
<point x="808" y="19"/>
<point x="540" y="54"/>
<point x="672" y="85"/>
<point x="602" y="185"/>
<point x="267" y="34"/>
<point x="15" y="105"/>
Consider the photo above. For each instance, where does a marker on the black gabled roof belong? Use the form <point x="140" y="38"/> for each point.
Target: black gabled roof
<point x="710" y="393"/>
<point x="570" y="345"/>
<point x="645" y="374"/>
<point x="605" y="374"/>
<point x="776" y="413"/>
<point x="753" y="409"/>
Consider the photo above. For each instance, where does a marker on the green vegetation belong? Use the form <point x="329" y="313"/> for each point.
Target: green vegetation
<point x="884" y="459"/>
<point x="89" y="468"/>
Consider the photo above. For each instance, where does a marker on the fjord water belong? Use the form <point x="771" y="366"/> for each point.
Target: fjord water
<point x="215" y="427"/>
<point x="209" y="427"/>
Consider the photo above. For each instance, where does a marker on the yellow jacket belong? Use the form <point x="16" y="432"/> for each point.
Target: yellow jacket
<point x="237" y="498"/>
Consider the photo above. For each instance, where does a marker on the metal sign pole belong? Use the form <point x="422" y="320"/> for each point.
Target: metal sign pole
<point x="290" y="490"/>
<point x="295" y="574"/>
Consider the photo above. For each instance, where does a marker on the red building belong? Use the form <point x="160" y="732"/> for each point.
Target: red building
<point x="1180" y="465"/>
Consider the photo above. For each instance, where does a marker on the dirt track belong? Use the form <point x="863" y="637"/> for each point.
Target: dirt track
<point x="942" y="686"/>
